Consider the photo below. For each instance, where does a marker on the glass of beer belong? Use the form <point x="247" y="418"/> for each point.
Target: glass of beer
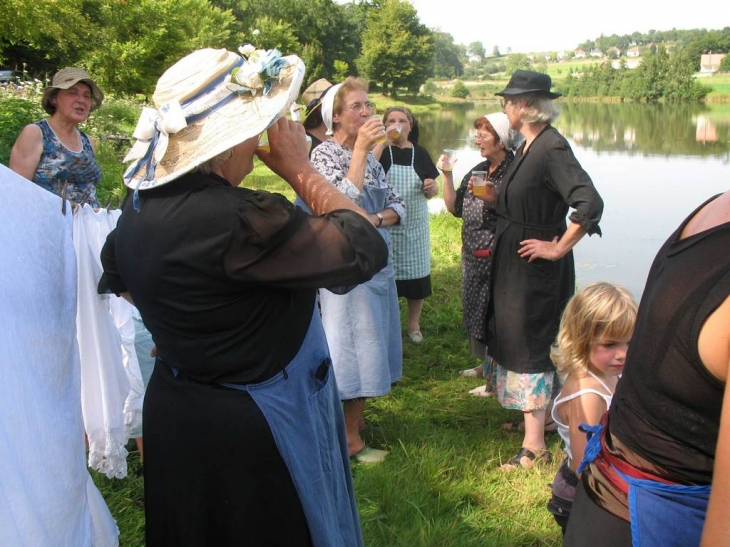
<point x="394" y="130"/>
<point x="384" y="137"/>
<point x="479" y="182"/>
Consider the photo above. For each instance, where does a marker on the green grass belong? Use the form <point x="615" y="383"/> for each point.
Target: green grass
<point x="440" y="486"/>
<point x="720" y="84"/>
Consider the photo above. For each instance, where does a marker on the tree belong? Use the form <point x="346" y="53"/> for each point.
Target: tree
<point x="725" y="64"/>
<point x="325" y="31"/>
<point x="446" y="56"/>
<point x="495" y="52"/>
<point x="517" y="61"/>
<point x="476" y="48"/>
<point x="397" y="49"/>
<point x="272" y="35"/>
<point x="135" y="42"/>
<point x="42" y="33"/>
<point x="342" y="69"/>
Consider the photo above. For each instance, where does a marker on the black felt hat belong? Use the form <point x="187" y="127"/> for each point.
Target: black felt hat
<point x="526" y="81"/>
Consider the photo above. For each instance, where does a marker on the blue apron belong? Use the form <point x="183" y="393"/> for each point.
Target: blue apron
<point x="363" y="326"/>
<point x="670" y="515"/>
<point x="304" y="413"/>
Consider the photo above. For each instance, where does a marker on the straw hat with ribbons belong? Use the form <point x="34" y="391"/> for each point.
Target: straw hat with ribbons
<point x="207" y="103"/>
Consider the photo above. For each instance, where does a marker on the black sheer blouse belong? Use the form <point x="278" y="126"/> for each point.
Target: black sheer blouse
<point x="225" y="277"/>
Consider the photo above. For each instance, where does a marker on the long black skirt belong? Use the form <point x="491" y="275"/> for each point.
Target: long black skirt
<point x="213" y="473"/>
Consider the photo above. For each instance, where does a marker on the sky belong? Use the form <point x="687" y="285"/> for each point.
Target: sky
<point x="538" y="25"/>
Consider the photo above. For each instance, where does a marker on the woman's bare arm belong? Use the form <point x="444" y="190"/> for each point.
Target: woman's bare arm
<point x="714" y="348"/>
<point x="27" y="150"/>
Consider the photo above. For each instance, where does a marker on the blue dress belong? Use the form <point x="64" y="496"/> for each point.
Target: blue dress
<point x="59" y="167"/>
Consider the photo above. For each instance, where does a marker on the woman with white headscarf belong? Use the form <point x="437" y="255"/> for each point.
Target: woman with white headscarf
<point x="496" y="142"/>
<point x="363" y="327"/>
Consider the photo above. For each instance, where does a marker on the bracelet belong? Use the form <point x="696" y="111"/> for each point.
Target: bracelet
<point x="380" y="219"/>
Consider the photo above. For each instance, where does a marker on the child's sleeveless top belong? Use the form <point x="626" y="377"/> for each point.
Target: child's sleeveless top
<point x="563" y="429"/>
<point x="60" y="166"/>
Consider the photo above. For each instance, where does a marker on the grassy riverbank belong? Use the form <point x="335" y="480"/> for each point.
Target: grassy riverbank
<point x="440" y="486"/>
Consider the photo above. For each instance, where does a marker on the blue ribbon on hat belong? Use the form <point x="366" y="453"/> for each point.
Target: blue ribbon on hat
<point x="157" y="126"/>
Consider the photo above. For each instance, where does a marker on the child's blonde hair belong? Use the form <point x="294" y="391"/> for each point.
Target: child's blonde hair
<point x="600" y="311"/>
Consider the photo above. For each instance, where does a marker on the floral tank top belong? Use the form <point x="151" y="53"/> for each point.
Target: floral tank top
<point x="59" y="167"/>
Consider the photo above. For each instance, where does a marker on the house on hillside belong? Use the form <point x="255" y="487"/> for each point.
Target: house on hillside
<point x="580" y="54"/>
<point x="633" y="52"/>
<point x="710" y="62"/>
<point x="597" y="53"/>
<point x="473" y="58"/>
<point x="613" y="52"/>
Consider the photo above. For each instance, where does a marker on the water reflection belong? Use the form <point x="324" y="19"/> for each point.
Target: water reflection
<point x="651" y="130"/>
<point x="652" y="164"/>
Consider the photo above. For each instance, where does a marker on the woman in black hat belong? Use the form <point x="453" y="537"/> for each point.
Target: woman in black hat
<point x="533" y="272"/>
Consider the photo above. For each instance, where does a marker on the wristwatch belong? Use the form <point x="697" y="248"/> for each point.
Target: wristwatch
<point x="380" y="219"/>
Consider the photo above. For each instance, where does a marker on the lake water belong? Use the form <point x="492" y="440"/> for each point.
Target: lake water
<point x="652" y="164"/>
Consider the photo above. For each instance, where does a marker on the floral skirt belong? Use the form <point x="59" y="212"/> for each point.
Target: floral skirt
<point x="525" y="392"/>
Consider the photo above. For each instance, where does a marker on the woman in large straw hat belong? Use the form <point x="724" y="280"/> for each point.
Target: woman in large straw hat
<point x="533" y="272"/>
<point x="52" y="152"/>
<point x="244" y="434"/>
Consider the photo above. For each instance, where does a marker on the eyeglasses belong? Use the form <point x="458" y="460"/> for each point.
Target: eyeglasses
<point x="481" y="136"/>
<point x="359" y="107"/>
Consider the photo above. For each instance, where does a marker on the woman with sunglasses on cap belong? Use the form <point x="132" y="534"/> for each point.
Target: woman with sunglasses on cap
<point x="412" y="174"/>
<point x="52" y="152"/>
<point x="362" y="326"/>
<point x="244" y="433"/>
<point x="533" y="271"/>
<point x="496" y="142"/>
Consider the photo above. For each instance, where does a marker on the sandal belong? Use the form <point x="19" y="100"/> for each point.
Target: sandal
<point x="472" y="372"/>
<point x="527" y="459"/>
<point x="482" y="391"/>
<point x="368" y="454"/>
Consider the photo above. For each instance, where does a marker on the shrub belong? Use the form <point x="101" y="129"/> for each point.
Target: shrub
<point x="460" y="91"/>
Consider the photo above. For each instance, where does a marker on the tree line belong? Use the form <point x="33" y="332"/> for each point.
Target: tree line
<point x="661" y="76"/>
<point x="692" y="42"/>
<point x="127" y="44"/>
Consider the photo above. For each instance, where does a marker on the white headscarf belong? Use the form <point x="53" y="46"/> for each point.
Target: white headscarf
<point x="328" y="104"/>
<point x="500" y="122"/>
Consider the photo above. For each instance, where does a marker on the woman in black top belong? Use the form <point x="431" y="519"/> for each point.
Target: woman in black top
<point x="243" y="425"/>
<point x="668" y="421"/>
<point x="412" y="174"/>
<point x="533" y="272"/>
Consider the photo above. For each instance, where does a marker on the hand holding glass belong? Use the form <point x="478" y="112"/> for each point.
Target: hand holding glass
<point x="479" y="183"/>
<point x="447" y="160"/>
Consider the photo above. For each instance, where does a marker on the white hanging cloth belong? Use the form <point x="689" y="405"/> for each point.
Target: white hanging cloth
<point x="46" y="494"/>
<point x="111" y="383"/>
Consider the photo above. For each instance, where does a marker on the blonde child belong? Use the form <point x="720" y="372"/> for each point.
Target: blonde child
<point x="591" y="350"/>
